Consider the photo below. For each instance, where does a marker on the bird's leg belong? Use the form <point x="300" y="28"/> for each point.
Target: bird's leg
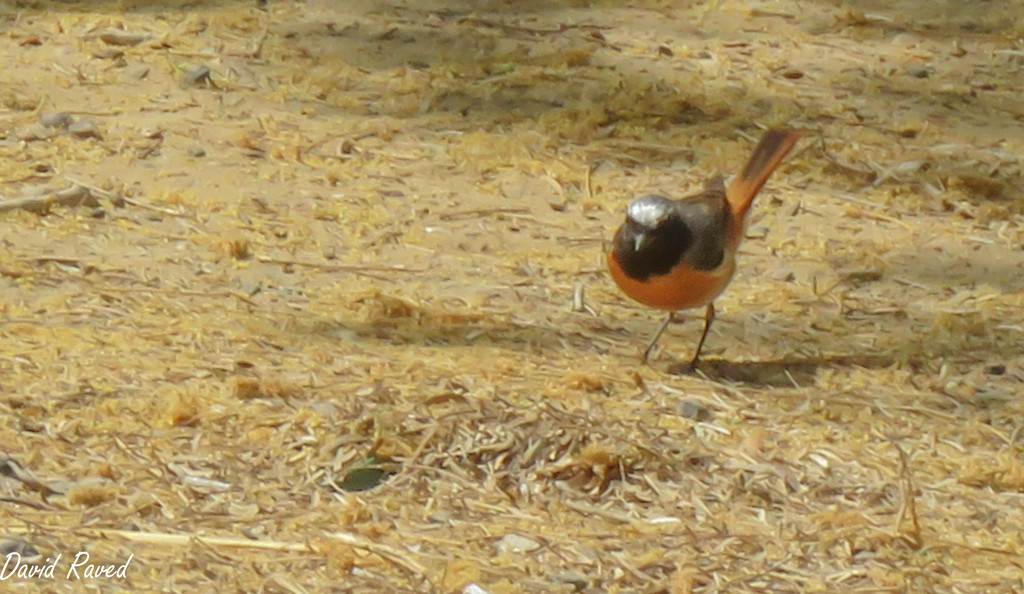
<point x="650" y="345"/>
<point x="691" y="366"/>
<point x="709" y="316"/>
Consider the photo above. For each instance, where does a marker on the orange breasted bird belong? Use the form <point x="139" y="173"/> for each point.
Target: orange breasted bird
<point x="681" y="254"/>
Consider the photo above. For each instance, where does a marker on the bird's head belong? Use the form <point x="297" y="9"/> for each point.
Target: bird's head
<point x="646" y="215"/>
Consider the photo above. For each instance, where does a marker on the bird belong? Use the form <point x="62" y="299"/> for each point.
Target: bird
<point x="675" y="255"/>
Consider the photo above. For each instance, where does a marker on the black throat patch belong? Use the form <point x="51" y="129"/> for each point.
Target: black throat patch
<point x="660" y="251"/>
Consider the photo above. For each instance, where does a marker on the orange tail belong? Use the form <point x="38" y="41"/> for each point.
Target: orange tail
<point x="774" y="146"/>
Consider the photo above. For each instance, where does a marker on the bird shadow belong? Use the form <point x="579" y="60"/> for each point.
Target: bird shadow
<point x="790" y="372"/>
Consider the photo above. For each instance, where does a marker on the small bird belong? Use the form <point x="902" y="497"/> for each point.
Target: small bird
<point x="681" y="254"/>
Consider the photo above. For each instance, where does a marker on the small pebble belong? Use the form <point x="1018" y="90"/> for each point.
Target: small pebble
<point x="514" y="543"/>
<point x="196" y="151"/>
<point x="693" y="409"/>
<point x="108" y="53"/>
<point x="84" y="129"/>
<point x="56" y="119"/>
<point x="198" y="75"/>
<point x="119" y="37"/>
<point x="918" y="71"/>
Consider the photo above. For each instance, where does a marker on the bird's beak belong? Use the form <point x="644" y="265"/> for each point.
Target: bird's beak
<point x="638" y="241"/>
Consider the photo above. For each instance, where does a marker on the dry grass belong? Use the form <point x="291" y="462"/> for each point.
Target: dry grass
<point x="365" y="251"/>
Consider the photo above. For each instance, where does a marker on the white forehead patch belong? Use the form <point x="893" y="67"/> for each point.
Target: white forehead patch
<point x="649" y="210"/>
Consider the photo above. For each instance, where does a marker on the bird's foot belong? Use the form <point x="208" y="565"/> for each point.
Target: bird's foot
<point x="688" y="368"/>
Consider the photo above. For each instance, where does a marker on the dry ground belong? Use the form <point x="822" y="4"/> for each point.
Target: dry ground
<point x="350" y="254"/>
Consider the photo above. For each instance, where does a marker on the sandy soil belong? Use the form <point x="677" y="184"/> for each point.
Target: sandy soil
<point x="305" y="321"/>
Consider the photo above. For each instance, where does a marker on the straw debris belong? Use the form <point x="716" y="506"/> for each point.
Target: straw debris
<point x="311" y="296"/>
